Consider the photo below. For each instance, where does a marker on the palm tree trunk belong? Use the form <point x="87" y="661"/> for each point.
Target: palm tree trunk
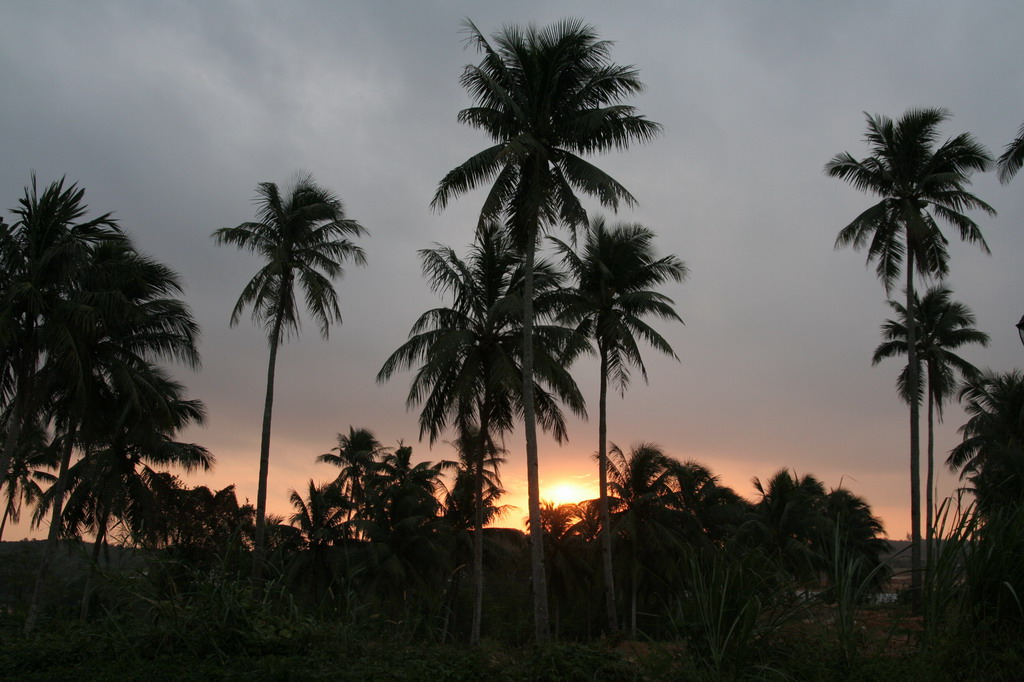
<point x="259" y="549"/>
<point x="478" y="524"/>
<point x="632" y="600"/>
<point x="929" y="528"/>
<point x="7" y="513"/>
<point x="53" y="536"/>
<point x="913" y="381"/>
<point x="603" y="510"/>
<point x="540" y="592"/>
<point x="101" y="537"/>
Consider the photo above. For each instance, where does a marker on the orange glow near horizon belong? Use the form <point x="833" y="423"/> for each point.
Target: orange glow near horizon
<point x="567" y="492"/>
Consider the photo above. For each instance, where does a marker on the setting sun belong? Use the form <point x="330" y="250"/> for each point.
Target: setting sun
<point x="565" y="492"/>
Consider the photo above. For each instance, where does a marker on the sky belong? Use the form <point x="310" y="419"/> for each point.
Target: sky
<point x="169" y="114"/>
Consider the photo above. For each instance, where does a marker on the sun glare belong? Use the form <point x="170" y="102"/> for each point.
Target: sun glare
<point x="565" y="492"/>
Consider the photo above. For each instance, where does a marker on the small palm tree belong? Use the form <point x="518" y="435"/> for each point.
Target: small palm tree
<point x="545" y="97"/>
<point x="615" y="273"/>
<point x="304" y="237"/>
<point x="991" y="455"/>
<point x="358" y="455"/>
<point x="791" y="515"/>
<point x="28" y="469"/>
<point x="944" y="325"/>
<point x="918" y="184"/>
<point x="320" y="518"/>
<point x="645" y="514"/>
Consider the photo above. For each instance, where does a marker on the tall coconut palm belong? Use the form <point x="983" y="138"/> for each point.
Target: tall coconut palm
<point x="991" y="455"/>
<point x="304" y="237"/>
<point x="470" y="372"/>
<point x="944" y="325"/>
<point x="918" y="184"/>
<point x="1012" y="157"/>
<point x="545" y="97"/>
<point x="615" y="273"/>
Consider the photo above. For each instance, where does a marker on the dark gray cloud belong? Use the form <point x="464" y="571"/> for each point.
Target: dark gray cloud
<point x="170" y="113"/>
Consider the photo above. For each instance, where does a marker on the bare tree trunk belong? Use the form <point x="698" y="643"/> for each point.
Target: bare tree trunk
<point x="260" y="546"/>
<point x="929" y="527"/>
<point x="913" y="381"/>
<point x="8" y="510"/>
<point x="478" y="524"/>
<point x="53" y="536"/>
<point x="603" y="507"/>
<point x="101" y="537"/>
<point x="540" y="592"/>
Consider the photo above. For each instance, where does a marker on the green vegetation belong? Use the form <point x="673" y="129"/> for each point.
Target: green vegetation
<point x="367" y="578"/>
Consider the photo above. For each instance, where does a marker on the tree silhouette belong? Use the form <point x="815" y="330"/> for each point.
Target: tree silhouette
<point x="991" y="455"/>
<point x="944" y="325"/>
<point x="469" y="357"/>
<point x="544" y="97"/>
<point x="918" y="184"/>
<point x="615" y="272"/>
<point x="303" y="236"/>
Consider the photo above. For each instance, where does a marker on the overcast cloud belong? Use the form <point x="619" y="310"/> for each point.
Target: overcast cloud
<point x="170" y="113"/>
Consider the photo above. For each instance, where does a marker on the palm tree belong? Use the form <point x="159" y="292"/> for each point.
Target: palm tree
<point x="991" y="455"/>
<point x="615" y="273"/>
<point x="42" y="255"/>
<point x="119" y="478"/>
<point x="470" y="357"/>
<point x="320" y="518"/>
<point x="856" y="538"/>
<point x="918" y="184"/>
<point x="565" y="555"/>
<point x="944" y="325"/>
<point x="359" y="452"/>
<point x="303" y="236"/>
<point x="791" y="519"/>
<point x="402" y="524"/>
<point x="544" y="97"/>
<point x="645" y="512"/>
<point x="1012" y="157"/>
<point x="101" y="378"/>
<point x="27" y="471"/>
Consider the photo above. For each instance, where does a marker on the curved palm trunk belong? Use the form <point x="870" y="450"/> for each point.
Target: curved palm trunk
<point x="540" y="591"/>
<point x="101" y="539"/>
<point x="603" y="510"/>
<point x="930" y="475"/>
<point x="478" y="525"/>
<point x="259" y="550"/>
<point x="53" y="536"/>
<point x="8" y="510"/>
<point x="913" y="381"/>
